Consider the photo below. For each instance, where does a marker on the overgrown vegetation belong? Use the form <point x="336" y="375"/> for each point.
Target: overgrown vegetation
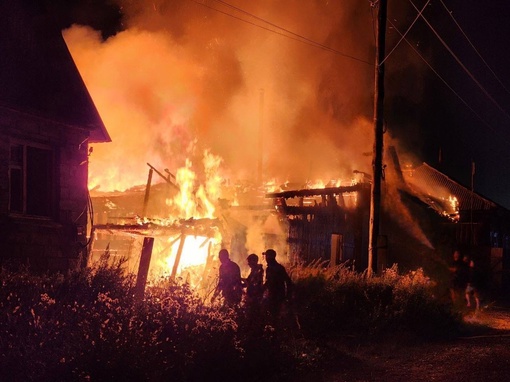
<point x="339" y="301"/>
<point x="88" y="326"/>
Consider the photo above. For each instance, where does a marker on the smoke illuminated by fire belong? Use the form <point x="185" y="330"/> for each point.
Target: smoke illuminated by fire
<point x="188" y="88"/>
<point x="182" y="72"/>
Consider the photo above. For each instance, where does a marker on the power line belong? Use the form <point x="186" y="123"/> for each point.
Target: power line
<point x="292" y="36"/>
<point x="462" y="65"/>
<point x="406" y="32"/>
<point x="448" y="85"/>
<point x="474" y="48"/>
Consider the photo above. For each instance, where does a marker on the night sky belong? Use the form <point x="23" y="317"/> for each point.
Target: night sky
<point x="447" y="130"/>
<point x="453" y="132"/>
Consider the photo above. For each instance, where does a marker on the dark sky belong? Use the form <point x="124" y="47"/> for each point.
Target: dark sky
<point x="447" y="130"/>
<point x="476" y="127"/>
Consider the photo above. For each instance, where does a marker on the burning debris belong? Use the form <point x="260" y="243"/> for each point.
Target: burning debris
<point x="187" y="221"/>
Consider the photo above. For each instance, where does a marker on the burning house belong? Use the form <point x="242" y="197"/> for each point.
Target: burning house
<point x="47" y="121"/>
<point x="326" y="224"/>
<point x="425" y="216"/>
<point x="168" y="91"/>
<point x="477" y="226"/>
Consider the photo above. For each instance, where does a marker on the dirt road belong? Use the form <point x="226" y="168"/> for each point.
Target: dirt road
<point x="481" y="354"/>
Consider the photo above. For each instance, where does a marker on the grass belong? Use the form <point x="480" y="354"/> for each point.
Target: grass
<point x="87" y="325"/>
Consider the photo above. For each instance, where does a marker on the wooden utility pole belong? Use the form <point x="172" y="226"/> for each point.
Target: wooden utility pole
<point x="260" y="146"/>
<point x="377" y="164"/>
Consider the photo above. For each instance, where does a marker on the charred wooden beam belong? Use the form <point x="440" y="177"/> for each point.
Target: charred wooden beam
<point x="194" y="227"/>
<point x="166" y="178"/>
<point x="147" y="192"/>
<point x="178" y="257"/>
<point x="143" y="268"/>
<point x="315" y="192"/>
<point x="311" y="210"/>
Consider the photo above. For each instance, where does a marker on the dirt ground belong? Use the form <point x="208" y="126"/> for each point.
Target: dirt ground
<point x="482" y="353"/>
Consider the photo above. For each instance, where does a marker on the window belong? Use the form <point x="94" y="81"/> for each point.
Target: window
<point x="31" y="180"/>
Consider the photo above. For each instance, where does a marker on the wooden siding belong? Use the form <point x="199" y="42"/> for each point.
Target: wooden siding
<point x="45" y="243"/>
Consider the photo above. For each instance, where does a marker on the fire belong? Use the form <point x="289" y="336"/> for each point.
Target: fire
<point x="184" y="200"/>
<point x="453" y="211"/>
<point x="195" y="253"/>
<point x="454" y="203"/>
<point x="196" y="199"/>
<point x="162" y="84"/>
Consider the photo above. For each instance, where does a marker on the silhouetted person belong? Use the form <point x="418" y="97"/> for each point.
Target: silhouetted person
<point x="456" y="276"/>
<point x="464" y="272"/>
<point x="278" y="285"/>
<point x="229" y="283"/>
<point x="254" y="283"/>
<point x="473" y="286"/>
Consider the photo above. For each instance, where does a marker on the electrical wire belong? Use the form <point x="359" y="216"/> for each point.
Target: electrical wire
<point x="402" y="37"/>
<point x="462" y="64"/>
<point x="450" y="13"/>
<point x="446" y="83"/>
<point x="289" y="34"/>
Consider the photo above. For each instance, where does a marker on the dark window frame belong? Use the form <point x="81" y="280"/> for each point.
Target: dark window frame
<point x="32" y="180"/>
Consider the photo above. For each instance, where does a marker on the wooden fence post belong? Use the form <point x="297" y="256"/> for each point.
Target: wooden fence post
<point x="143" y="268"/>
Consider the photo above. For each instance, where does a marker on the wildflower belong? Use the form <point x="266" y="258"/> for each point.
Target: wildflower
<point x="47" y="299"/>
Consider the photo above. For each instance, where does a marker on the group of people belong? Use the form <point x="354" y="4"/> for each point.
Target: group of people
<point x="259" y="292"/>
<point x="465" y="280"/>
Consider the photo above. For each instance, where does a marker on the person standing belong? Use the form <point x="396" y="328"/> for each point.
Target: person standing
<point x="456" y="276"/>
<point x="229" y="282"/>
<point x="254" y="283"/>
<point x="473" y="285"/>
<point x="278" y="285"/>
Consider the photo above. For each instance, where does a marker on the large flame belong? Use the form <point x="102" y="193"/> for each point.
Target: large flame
<point x="184" y="73"/>
<point x="182" y="79"/>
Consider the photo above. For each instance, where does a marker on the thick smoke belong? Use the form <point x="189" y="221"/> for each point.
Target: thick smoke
<point x="182" y="77"/>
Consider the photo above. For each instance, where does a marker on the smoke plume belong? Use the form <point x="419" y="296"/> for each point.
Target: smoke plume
<point x="185" y="76"/>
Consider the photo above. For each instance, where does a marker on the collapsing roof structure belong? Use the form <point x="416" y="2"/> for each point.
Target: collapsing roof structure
<point x="443" y="194"/>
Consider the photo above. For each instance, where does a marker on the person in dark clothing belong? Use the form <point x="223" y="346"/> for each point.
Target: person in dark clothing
<point x="254" y="283"/>
<point x="457" y="276"/>
<point x="278" y="285"/>
<point x="229" y="283"/>
<point x="473" y="286"/>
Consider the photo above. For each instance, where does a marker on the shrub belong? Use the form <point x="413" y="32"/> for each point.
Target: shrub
<point x="340" y="301"/>
<point x="87" y="325"/>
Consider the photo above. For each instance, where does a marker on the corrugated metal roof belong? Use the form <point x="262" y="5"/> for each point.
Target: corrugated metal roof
<point x="442" y="193"/>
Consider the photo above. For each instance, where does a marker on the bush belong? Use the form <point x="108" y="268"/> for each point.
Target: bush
<point x="339" y="301"/>
<point x="87" y="325"/>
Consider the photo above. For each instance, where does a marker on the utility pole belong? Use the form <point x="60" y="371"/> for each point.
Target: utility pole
<point x="377" y="164"/>
<point x="260" y="146"/>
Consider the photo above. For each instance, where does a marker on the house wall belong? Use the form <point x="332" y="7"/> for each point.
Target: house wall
<point x="311" y="229"/>
<point x="57" y="241"/>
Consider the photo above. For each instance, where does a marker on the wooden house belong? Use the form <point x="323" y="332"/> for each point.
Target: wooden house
<point x="475" y="225"/>
<point x="425" y="217"/>
<point x="326" y="224"/>
<point x="47" y="121"/>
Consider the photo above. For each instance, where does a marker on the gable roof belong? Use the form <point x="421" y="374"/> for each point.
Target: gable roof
<point x="37" y="72"/>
